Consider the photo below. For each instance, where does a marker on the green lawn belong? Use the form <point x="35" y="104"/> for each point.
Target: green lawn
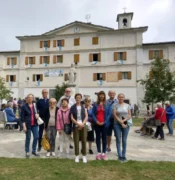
<point x="50" y="169"/>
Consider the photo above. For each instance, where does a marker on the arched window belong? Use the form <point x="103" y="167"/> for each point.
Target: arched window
<point x="125" y="22"/>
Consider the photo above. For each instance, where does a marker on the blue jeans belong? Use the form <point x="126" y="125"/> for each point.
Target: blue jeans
<point x="170" y="125"/>
<point x="121" y="133"/>
<point x="101" y="133"/>
<point x="34" y="130"/>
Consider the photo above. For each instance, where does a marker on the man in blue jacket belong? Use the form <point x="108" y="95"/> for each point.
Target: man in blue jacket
<point x="11" y="116"/>
<point x="42" y="107"/>
<point x="170" y="113"/>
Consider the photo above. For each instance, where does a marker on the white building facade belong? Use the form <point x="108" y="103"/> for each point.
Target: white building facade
<point x="104" y="58"/>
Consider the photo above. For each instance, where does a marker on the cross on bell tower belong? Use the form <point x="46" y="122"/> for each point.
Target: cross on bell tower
<point x="124" y="9"/>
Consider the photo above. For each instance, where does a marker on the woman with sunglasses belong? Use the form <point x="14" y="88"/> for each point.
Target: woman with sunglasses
<point x="50" y="125"/>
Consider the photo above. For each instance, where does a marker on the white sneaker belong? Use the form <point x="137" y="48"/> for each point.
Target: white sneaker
<point x="67" y="156"/>
<point x="84" y="159"/>
<point x="48" y="154"/>
<point x="77" y="159"/>
<point x="53" y="154"/>
<point x="60" y="155"/>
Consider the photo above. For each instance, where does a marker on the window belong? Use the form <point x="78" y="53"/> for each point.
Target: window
<point x="37" y="77"/>
<point x="45" y="60"/>
<point x="58" y="43"/>
<point x="77" y="42"/>
<point x="59" y="59"/>
<point x="120" y="56"/>
<point x="125" y="21"/>
<point x="11" y="61"/>
<point x="10" y="78"/>
<point x="76" y="58"/>
<point x="95" y="57"/>
<point x="31" y="60"/>
<point x="45" y="44"/>
<point x="124" y="75"/>
<point x="153" y="54"/>
<point x="99" y="76"/>
<point x="95" y="40"/>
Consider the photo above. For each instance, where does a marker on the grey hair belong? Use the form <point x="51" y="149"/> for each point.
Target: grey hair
<point x="10" y="104"/>
<point x="167" y="102"/>
<point x="159" y="105"/>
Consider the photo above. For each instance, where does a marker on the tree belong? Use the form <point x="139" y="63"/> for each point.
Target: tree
<point x="59" y="90"/>
<point x="159" y="85"/>
<point x="5" y="93"/>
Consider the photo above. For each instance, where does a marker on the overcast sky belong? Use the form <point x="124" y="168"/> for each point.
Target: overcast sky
<point x="31" y="17"/>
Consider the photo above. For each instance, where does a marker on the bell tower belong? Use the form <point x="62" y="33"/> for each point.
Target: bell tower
<point x="124" y="20"/>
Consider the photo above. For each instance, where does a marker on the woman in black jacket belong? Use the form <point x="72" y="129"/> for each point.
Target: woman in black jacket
<point x="29" y="118"/>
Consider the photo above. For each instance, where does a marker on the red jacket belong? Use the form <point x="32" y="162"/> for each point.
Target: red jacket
<point x="161" y="115"/>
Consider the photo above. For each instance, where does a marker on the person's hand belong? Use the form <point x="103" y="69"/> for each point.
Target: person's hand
<point x="60" y="132"/>
<point x="98" y="123"/>
<point x="80" y="126"/>
<point x="120" y="121"/>
<point x="102" y="123"/>
<point x="37" y="116"/>
<point x="44" y="132"/>
<point x="24" y="129"/>
<point x="123" y="126"/>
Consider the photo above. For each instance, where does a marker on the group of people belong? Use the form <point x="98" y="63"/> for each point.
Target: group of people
<point x="83" y="119"/>
<point x="159" y="118"/>
<point x="77" y="116"/>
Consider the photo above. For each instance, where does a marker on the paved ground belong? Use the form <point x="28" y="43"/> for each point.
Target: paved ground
<point x="139" y="148"/>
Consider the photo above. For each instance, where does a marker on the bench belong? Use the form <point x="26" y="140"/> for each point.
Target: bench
<point x="3" y="119"/>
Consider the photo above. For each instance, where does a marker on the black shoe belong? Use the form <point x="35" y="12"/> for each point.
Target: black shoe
<point x="39" y="149"/>
<point x="162" y="139"/>
<point x="35" y="154"/>
<point x="90" y="151"/>
<point x="70" y="146"/>
<point x="27" y="155"/>
<point x="154" y="137"/>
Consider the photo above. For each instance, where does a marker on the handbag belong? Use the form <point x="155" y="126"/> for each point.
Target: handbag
<point x="89" y="126"/>
<point x="129" y="122"/>
<point x="158" y="121"/>
<point x="45" y="143"/>
<point x="39" y="120"/>
<point x="67" y="127"/>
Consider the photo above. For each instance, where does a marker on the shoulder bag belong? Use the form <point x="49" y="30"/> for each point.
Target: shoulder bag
<point x="158" y="121"/>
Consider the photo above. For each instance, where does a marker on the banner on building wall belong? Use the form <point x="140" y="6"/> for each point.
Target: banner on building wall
<point x="54" y="73"/>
